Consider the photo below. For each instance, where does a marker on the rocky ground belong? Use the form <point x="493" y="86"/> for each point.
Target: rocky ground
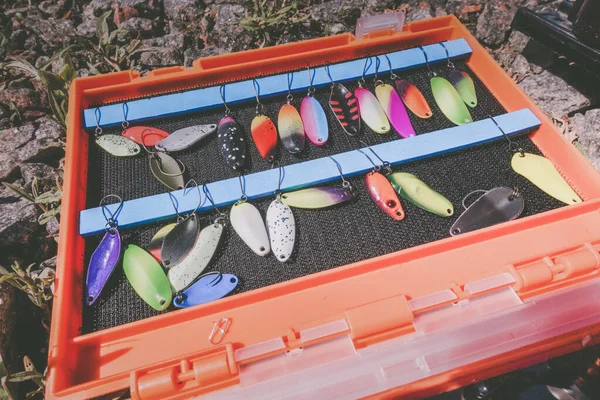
<point x="147" y="34"/>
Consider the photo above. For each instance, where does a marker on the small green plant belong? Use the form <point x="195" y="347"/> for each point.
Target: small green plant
<point x="37" y="285"/>
<point x="48" y="202"/>
<point x="112" y="51"/>
<point x="274" y="19"/>
<point x="57" y="85"/>
<point x="30" y="373"/>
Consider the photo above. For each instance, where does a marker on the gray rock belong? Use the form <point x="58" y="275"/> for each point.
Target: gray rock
<point x="586" y="129"/>
<point x="494" y="22"/>
<point x="96" y="8"/>
<point x="193" y="54"/>
<point x="50" y="263"/>
<point x="145" y="8"/>
<point x="332" y="12"/>
<point x="520" y="66"/>
<point x="55" y="8"/>
<point x="372" y="7"/>
<point x="142" y="25"/>
<point x="553" y="94"/>
<point x="174" y="40"/>
<point x="158" y="57"/>
<point x="34" y="142"/>
<point x="23" y="98"/>
<point x="182" y="10"/>
<point x="518" y="41"/>
<point x="87" y="28"/>
<point x="418" y="10"/>
<point x="336" y="29"/>
<point x="52" y="228"/>
<point x="45" y="175"/>
<point x="227" y="33"/>
<point x="53" y="33"/>
<point x="467" y="11"/>
<point x="18" y="220"/>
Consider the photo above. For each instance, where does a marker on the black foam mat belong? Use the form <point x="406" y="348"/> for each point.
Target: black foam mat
<point x="325" y="238"/>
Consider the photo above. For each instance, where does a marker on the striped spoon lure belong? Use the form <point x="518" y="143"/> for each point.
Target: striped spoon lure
<point x="344" y="105"/>
<point x="462" y="82"/>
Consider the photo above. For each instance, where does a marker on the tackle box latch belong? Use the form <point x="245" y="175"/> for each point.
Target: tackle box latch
<point x="554" y="270"/>
<point x="380" y="320"/>
<point x="191" y="375"/>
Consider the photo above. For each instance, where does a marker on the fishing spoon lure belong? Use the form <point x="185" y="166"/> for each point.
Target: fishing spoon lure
<point x="289" y="123"/>
<point x="392" y="105"/>
<point x="249" y="224"/>
<point x="320" y="197"/>
<point x="263" y="129"/>
<point x="143" y="135"/>
<point x="281" y="225"/>
<point x="540" y="171"/>
<point x="493" y="207"/>
<point x="183" y="139"/>
<point x="369" y="107"/>
<point x="420" y="194"/>
<point x="462" y="82"/>
<point x="115" y="145"/>
<point x="232" y="143"/>
<point x="313" y="116"/>
<point x="166" y="169"/>
<point x="209" y="287"/>
<point x="381" y="190"/>
<point x="344" y="105"/>
<point x="447" y="98"/>
<point x="107" y="255"/>
<point x="182" y="238"/>
<point x="147" y="277"/>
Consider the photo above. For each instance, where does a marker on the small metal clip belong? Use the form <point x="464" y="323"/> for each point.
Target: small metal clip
<point x="219" y="330"/>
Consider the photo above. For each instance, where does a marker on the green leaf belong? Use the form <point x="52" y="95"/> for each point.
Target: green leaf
<point x="51" y="80"/>
<point x="67" y="71"/>
<point x="102" y="29"/>
<point x="10" y="275"/>
<point x="24" y="376"/>
<point x="46" y="217"/>
<point x="24" y="65"/>
<point x="59" y="109"/>
<point x="19" y="191"/>
<point x="3" y="271"/>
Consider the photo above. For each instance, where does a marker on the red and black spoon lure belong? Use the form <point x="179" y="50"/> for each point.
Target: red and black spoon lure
<point x="263" y="130"/>
<point x="344" y="105"/>
<point x="232" y="142"/>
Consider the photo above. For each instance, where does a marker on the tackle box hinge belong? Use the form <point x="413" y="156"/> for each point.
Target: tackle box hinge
<point x="188" y="376"/>
<point x="380" y="320"/>
<point x="556" y="269"/>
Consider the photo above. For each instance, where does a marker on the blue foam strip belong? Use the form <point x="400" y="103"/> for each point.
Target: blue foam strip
<point x="200" y="99"/>
<point x="310" y="173"/>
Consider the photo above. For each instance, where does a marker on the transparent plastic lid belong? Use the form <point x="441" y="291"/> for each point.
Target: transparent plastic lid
<point x="375" y="23"/>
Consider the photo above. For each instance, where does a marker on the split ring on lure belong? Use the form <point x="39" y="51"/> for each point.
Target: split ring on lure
<point x="313" y="116"/>
<point x="381" y="190"/>
<point x="281" y="225"/>
<point x="289" y="124"/>
<point x="232" y="143"/>
<point x="207" y="288"/>
<point x="185" y="138"/>
<point x="420" y="194"/>
<point x="344" y="106"/>
<point x="462" y="82"/>
<point x="249" y="225"/>
<point x="263" y="130"/>
<point x="147" y="277"/>
<point x="392" y="105"/>
<point x="447" y="98"/>
<point x="167" y="170"/>
<point x="370" y="108"/>
<point x="540" y="171"/>
<point x="106" y="256"/>
<point x="144" y="135"/>
<point x="114" y="145"/>
<point x="493" y="207"/>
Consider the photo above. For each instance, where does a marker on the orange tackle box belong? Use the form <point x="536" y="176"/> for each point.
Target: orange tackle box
<point x="367" y="306"/>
